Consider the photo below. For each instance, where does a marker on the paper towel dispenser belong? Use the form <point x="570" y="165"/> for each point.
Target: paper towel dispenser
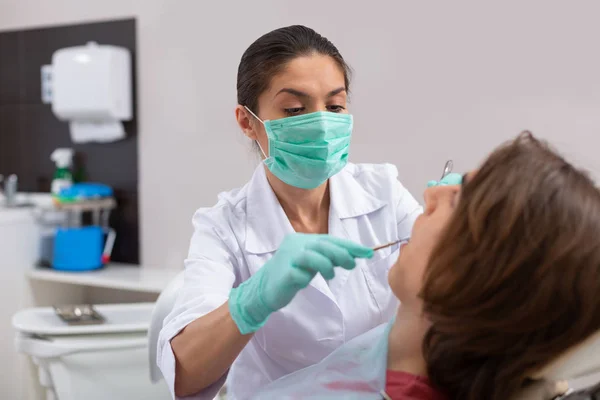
<point x="92" y="89"/>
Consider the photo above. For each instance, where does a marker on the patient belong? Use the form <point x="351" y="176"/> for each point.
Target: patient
<point x="501" y="275"/>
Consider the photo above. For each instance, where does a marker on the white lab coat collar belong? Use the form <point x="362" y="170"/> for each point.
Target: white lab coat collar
<point x="348" y="198"/>
<point x="267" y="223"/>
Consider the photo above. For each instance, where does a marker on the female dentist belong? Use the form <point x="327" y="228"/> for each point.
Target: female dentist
<point x="280" y="272"/>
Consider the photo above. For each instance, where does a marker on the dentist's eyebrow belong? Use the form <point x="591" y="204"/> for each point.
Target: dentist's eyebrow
<point x="336" y="91"/>
<point x="301" y="94"/>
<point x="293" y="92"/>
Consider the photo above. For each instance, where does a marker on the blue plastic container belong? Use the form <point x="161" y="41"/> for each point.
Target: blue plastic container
<point x="78" y="249"/>
<point x="86" y="191"/>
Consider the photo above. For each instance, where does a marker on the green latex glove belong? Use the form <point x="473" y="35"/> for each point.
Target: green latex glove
<point x="299" y="258"/>
<point x="450" y="179"/>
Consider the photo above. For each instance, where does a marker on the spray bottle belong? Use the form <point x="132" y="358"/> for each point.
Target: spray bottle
<point x="63" y="177"/>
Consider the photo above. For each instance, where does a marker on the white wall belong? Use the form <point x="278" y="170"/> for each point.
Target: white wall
<point x="433" y="80"/>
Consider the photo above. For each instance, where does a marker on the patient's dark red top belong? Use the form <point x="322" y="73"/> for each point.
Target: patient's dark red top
<point x="404" y="386"/>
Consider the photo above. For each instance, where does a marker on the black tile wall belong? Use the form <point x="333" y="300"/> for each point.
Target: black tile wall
<point x="29" y="131"/>
<point x="10" y="74"/>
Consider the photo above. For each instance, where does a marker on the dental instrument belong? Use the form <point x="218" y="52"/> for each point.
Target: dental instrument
<point x="383" y="246"/>
<point x="447" y="168"/>
<point x="448" y="178"/>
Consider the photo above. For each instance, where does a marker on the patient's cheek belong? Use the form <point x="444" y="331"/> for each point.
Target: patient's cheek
<point x="395" y="278"/>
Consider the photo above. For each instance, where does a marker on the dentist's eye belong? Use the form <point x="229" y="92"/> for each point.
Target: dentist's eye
<point x="336" y="108"/>
<point x="294" y="111"/>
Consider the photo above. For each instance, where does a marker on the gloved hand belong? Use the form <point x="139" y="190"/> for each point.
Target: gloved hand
<point x="299" y="258"/>
<point x="450" y="179"/>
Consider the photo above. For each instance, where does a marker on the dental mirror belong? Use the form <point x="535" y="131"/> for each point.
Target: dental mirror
<point x="447" y="168"/>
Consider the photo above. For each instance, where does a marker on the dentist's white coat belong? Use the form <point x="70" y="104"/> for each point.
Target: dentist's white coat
<point x="233" y="239"/>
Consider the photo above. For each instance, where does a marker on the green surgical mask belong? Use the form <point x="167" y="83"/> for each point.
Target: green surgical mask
<point x="306" y="150"/>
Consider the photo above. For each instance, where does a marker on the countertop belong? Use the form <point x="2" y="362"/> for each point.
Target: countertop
<point x="128" y="277"/>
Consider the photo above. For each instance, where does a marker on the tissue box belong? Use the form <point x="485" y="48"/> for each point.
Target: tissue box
<point x="92" y="83"/>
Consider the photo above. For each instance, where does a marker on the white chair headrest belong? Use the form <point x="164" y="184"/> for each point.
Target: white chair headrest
<point x="580" y="360"/>
<point x="162" y="308"/>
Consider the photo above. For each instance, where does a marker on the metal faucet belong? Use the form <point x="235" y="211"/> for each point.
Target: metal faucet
<point x="10" y="190"/>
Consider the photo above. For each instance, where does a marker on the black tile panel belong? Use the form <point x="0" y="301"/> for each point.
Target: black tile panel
<point x="29" y="131"/>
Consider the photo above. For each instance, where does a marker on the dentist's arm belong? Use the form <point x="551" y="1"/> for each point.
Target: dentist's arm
<point x="207" y="347"/>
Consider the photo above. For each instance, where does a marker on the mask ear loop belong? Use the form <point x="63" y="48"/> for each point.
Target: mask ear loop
<point x="262" y="122"/>
<point x="254" y="115"/>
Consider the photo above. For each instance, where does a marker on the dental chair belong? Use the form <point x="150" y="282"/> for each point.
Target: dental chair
<point x="574" y="375"/>
<point x="566" y="378"/>
<point x="162" y="308"/>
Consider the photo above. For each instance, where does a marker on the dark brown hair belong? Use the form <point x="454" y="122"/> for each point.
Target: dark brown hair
<point x="515" y="279"/>
<point x="270" y="53"/>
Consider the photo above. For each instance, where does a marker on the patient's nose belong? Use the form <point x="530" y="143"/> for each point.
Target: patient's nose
<point x="439" y="195"/>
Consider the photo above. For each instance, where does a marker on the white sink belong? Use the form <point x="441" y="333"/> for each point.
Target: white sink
<point x="28" y="200"/>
